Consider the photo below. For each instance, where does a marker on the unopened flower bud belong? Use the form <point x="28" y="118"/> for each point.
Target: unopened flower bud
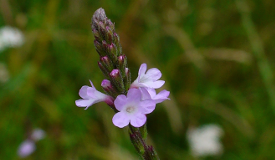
<point x="108" y="88"/>
<point x="109" y="34"/>
<point x="99" y="48"/>
<point x="122" y="62"/>
<point x="107" y="63"/>
<point x="127" y="79"/>
<point x="117" y="43"/>
<point x="112" y="52"/>
<point x="105" y="45"/>
<point x="117" y="80"/>
<point x="99" y="15"/>
<point x="110" y="24"/>
<point x="104" y="70"/>
<point x="97" y="35"/>
<point x="101" y="29"/>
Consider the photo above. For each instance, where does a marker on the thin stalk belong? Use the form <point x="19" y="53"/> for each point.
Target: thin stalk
<point x="138" y="138"/>
<point x="258" y="51"/>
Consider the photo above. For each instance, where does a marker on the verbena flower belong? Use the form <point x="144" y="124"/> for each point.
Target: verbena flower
<point x="132" y="109"/>
<point x="91" y="96"/>
<point x="148" y="79"/>
<point x="150" y="93"/>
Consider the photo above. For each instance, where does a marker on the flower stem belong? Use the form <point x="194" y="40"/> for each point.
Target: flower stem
<point x="138" y="138"/>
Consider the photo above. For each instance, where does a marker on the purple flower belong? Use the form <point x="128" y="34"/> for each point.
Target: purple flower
<point x="148" y="79"/>
<point x="132" y="109"/>
<point x="150" y="93"/>
<point x="26" y="148"/>
<point x="91" y="96"/>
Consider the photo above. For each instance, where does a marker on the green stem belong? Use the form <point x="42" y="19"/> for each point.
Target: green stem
<point x="138" y="138"/>
<point x="265" y="68"/>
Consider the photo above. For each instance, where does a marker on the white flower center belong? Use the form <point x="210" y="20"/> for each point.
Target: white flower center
<point x="130" y="109"/>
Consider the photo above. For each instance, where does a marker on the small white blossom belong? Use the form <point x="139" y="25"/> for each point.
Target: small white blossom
<point x="204" y="141"/>
<point x="10" y="37"/>
<point x="37" y="134"/>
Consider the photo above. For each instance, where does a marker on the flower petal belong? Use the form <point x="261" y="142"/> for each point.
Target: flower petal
<point x="134" y="95"/>
<point x="26" y="148"/>
<point x="84" y="102"/>
<point x="120" y="102"/>
<point x="142" y="70"/>
<point x="144" y="93"/>
<point x="151" y="91"/>
<point x="154" y="74"/>
<point x="95" y="94"/>
<point x="161" y="96"/>
<point x="155" y="85"/>
<point x="138" y="120"/>
<point x="121" y="119"/>
<point x="83" y="92"/>
<point x="147" y="106"/>
<point x="92" y="84"/>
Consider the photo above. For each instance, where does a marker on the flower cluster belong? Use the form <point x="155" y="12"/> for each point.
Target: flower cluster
<point x="132" y="108"/>
<point x="131" y="102"/>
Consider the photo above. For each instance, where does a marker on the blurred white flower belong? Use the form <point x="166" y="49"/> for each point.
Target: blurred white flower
<point x="4" y="74"/>
<point x="10" y="37"/>
<point x="28" y="146"/>
<point x="204" y="141"/>
<point x="37" y="134"/>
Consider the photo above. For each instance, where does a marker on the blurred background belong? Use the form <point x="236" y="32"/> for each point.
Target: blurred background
<point x="217" y="58"/>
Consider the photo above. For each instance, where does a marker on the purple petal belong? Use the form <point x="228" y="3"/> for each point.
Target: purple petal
<point x="120" y="120"/>
<point x="26" y="148"/>
<point x="84" y="103"/>
<point x="151" y="91"/>
<point x="83" y="92"/>
<point x="96" y="95"/>
<point x="120" y="102"/>
<point x="138" y="120"/>
<point x="142" y="70"/>
<point x="92" y="84"/>
<point x="161" y="96"/>
<point x="154" y="74"/>
<point x="134" y="95"/>
<point x="144" y="93"/>
<point x="147" y="106"/>
<point x="155" y="85"/>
